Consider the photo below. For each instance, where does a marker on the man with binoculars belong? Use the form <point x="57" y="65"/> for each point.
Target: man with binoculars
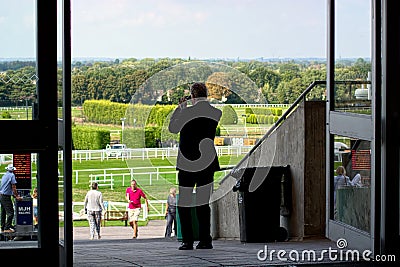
<point x="197" y="161"/>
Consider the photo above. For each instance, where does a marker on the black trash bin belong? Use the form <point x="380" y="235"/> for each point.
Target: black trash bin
<point x="259" y="199"/>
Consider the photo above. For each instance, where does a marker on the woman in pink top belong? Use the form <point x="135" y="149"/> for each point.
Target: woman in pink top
<point x="133" y="195"/>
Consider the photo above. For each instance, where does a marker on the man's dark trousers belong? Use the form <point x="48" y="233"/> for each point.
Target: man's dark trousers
<point x="204" y="185"/>
<point x="7" y="211"/>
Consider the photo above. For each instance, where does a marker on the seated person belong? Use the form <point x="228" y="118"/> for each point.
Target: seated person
<point x="356" y="181"/>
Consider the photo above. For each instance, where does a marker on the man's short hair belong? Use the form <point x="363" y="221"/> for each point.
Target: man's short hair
<point x="94" y="185"/>
<point x="198" y="90"/>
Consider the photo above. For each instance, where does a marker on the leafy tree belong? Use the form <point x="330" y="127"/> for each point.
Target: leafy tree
<point x="219" y="85"/>
<point x="149" y="80"/>
<point x="289" y="91"/>
<point x="289" y="71"/>
<point x="79" y="88"/>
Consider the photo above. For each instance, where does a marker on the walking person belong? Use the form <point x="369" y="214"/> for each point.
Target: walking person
<point x="35" y="208"/>
<point x="133" y="195"/>
<point x="8" y="188"/>
<point x="94" y="207"/>
<point x="170" y="212"/>
<point x="197" y="161"/>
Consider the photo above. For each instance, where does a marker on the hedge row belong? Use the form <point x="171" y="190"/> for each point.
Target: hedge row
<point x="261" y="119"/>
<point x="148" y="124"/>
<point x="107" y="112"/>
<point x="264" y="111"/>
<point x="104" y="111"/>
<point x="89" y="138"/>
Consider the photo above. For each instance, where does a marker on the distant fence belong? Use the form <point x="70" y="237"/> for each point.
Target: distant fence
<point x="122" y="176"/>
<point x="21" y="108"/>
<point x="134" y="153"/>
<point x="157" y="208"/>
<point x="148" y="153"/>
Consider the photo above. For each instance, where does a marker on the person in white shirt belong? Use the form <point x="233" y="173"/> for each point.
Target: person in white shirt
<point x="94" y="207"/>
<point x="340" y="180"/>
<point x="356" y="181"/>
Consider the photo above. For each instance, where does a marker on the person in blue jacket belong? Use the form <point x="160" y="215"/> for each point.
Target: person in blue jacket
<point x="8" y="189"/>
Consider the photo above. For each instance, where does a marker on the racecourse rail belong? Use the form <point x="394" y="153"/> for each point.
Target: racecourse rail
<point x="133" y="153"/>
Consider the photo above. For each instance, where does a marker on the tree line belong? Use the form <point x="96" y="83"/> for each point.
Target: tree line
<point x="165" y="80"/>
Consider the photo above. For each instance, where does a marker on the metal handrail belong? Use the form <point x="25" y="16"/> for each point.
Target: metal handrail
<point x="285" y="114"/>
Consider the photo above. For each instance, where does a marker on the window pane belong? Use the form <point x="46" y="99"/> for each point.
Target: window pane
<point x="353" y="59"/>
<point x="17" y="60"/>
<point x="352" y="182"/>
<point x="19" y="168"/>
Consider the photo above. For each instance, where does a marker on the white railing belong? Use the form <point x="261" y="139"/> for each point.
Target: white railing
<point x="16" y="108"/>
<point x="156" y="209"/>
<point x="133" y="153"/>
<point x="147" y="153"/>
<point x="103" y="181"/>
<point x="108" y="177"/>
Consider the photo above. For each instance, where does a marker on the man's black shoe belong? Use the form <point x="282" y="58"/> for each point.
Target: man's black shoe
<point x="186" y="246"/>
<point x="202" y="245"/>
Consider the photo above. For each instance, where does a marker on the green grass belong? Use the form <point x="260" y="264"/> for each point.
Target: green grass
<point x="158" y="190"/>
<point x="22" y="113"/>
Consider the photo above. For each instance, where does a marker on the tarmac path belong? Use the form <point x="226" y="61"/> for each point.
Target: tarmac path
<point x="154" y="229"/>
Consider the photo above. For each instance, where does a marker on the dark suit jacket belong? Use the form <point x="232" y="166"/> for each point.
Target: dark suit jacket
<point x="197" y="125"/>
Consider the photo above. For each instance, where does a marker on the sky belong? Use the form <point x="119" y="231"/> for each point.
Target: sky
<point x="196" y="29"/>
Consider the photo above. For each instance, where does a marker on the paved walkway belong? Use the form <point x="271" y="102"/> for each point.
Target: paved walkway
<point x="117" y="248"/>
<point x="154" y="229"/>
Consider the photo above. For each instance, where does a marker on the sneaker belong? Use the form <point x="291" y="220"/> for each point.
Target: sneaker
<point x="98" y="237"/>
<point x="92" y="237"/>
<point x="9" y="230"/>
<point x="135" y="235"/>
<point x="204" y="245"/>
<point x="186" y="246"/>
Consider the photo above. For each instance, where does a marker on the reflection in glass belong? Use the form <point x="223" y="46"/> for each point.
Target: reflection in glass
<point x="23" y="166"/>
<point x="355" y="98"/>
<point x="61" y="197"/>
<point x="351" y="182"/>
